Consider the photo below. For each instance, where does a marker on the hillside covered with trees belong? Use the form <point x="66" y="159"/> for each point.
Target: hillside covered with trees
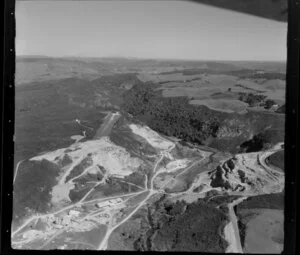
<point x="174" y="116"/>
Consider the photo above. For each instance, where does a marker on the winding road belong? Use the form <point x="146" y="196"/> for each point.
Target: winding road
<point x="111" y="228"/>
<point x="231" y="233"/>
<point x="104" y="242"/>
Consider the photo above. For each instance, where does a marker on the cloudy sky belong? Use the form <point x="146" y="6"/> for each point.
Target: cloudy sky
<point x="145" y="29"/>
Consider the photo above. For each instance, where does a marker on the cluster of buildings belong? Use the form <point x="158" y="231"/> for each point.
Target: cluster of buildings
<point x="73" y="214"/>
<point x="65" y="220"/>
<point x="109" y="203"/>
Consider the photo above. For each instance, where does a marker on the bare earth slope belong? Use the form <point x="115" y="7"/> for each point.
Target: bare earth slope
<point x="112" y="154"/>
<point x="106" y="180"/>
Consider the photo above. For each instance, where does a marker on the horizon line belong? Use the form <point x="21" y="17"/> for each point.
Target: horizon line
<point x="137" y="58"/>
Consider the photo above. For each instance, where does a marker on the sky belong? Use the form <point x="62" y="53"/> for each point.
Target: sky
<point x="146" y="29"/>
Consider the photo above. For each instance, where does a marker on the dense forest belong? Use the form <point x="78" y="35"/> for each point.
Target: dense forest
<point x="263" y="140"/>
<point x="256" y="100"/>
<point x="251" y="99"/>
<point x="229" y="70"/>
<point x="174" y="116"/>
<point x="183" y="227"/>
<point x="171" y="116"/>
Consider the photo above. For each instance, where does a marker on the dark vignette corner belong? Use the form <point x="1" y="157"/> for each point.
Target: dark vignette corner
<point x="292" y="124"/>
<point x="7" y="124"/>
<point x="291" y="138"/>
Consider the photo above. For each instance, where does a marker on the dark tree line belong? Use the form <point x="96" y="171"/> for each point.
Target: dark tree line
<point x="256" y="100"/>
<point x="172" y="116"/>
<point x="251" y="99"/>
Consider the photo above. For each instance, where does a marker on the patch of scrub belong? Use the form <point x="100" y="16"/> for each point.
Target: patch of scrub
<point x="153" y="138"/>
<point x="32" y="188"/>
<point x="125" y="236"/>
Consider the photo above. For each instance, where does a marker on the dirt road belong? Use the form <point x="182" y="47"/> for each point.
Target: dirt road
<point x="107" y="125"/>
<point x="231" y="230"/>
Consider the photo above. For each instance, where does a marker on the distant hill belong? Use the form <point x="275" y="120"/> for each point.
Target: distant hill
<point x="33" y="69"/>
<point x="43" y="68"/>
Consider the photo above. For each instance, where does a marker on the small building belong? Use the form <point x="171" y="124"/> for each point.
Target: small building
<point x="109" y="203"/>
<point x="103" y="204"/>
<point x="74" y="213"/>
<point x="115" y="201"/>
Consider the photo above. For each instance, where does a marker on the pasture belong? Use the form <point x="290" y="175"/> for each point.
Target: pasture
<point x="264" y="232"/>
<point x="217" y="91"/>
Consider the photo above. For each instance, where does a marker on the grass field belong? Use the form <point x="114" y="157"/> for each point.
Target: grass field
<point x="268" y="201"/>
<point x="205" y="87"/>
<point x="261" y="223"/>
<point x="223" y="105"/>
<point x="264" y="231"/>
<point x="277" y="160"/>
